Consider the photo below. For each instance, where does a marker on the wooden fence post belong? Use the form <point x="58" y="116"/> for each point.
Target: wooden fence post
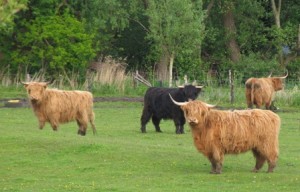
<point x="231" y="84"/>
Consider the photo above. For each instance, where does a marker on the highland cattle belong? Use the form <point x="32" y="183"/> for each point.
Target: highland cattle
<point x="158" y="105"/>
<point x="260" y="91"/>
<point x="217" y="133"/>
<point x="59" y="106"/>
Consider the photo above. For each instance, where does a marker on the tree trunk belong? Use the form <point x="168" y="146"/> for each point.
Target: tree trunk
<point x="161" y="70"/>
<point x="171" y="69"/>
<point x="276" y="12"/>
<point x="230" y="30"/>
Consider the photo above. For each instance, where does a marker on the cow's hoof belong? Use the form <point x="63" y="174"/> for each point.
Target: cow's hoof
<point x="80" y="132"/>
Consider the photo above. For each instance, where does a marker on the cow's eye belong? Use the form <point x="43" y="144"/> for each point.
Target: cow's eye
<point x="29" y="91"/>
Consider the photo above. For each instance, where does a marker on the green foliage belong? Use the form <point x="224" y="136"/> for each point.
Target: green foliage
<point x="8" y="10"/>
<point x="109" y="18"/>
<point x="253" y="64"/>
<point x="166" y="25"/>
<point x="65" y="35"/>
<point x="285" y="36"/>
<point x="54" y="43"/>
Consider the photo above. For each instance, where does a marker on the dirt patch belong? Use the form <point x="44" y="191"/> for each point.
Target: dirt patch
<point x="116" y="99"/>
<point x="23" y="102"/>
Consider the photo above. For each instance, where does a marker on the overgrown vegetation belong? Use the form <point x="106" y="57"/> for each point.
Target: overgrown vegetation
<point x="162" y="40"/>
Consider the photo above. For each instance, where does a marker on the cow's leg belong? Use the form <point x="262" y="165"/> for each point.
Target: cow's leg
<point x="41" y="124"/>
<point x="272" y="157"/>
<point x="213" y="165"/>
<point x="92" y="119"/>
<point x="145" y="118"/>
<point x="258" y="103"/>
<point x="179" y="128"/>
<point x="182" y="122"/>
<point x="272" y="165"/>
<point x="249" y="102"/>
<point x="156" y="122"/>
<point x="54" y="125"/>
<point x="42" y="121"/>
<point x="268" y="105"/>
<point x="250" y="106"/>
<point x="260" y="160"/>
<point x="82" y="121"/>
<point x="179" y="125"/>
<point x="216" y="160"/>
<point x="82" y="128"/>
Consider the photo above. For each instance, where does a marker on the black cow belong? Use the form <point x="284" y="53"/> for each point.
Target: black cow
<point x="158" y="105"/>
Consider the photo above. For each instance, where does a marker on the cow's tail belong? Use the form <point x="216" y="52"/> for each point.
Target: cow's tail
<point x="252" y="93"/>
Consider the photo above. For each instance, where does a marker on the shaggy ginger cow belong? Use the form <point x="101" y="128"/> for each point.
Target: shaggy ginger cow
<point x="260" y="91"/>
<point x="58" y="106"/>
<point x="217" y="133"/>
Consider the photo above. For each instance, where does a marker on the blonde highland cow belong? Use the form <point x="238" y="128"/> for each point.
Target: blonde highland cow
<point x="260" y="91"/>
<point x="217" y="133"/>
<point x="58" y="106"/>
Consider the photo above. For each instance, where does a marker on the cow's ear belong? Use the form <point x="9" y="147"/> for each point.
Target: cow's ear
<point x="45" y="85"/>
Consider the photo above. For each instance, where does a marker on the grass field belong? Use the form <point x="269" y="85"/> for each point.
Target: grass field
<point x="120" y="158"/>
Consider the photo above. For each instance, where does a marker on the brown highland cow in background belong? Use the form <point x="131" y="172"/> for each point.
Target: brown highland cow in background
<point x="58" y="106"/>
<point x="260" y="91"/>
<point x="217" y="133"/>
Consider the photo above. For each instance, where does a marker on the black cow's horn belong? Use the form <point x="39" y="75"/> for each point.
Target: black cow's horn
<point x="199" y="87"/>
<point x="178" y="103"/>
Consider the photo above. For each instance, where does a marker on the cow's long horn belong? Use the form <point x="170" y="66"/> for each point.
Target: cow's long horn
<point x="178" y="103"/>
<point x="287" y="73"/>
<point x="25" y="83"/>
<point x="199" y="87"/>
<point x="209" y="105"/>
<point x="270" y="74"/>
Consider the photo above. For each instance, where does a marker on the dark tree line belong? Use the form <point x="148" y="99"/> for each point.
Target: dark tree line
<point x="167" y="38"/>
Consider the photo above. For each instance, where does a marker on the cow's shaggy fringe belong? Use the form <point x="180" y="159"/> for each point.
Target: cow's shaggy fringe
<point x="58" y="106"/>
<point x="217" y="133"/>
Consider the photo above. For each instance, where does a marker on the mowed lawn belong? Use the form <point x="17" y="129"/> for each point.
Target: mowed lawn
<point x="120" y="158"/>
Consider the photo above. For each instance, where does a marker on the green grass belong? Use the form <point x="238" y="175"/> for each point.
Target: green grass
<point x="120" y="158"/>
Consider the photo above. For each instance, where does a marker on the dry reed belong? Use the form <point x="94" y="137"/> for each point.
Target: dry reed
<point x="110" y="71"/>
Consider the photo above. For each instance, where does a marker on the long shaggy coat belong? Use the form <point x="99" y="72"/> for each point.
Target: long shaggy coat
<point x="217" y="133"/>
<point x="58" y="106"/>
<point x="260" y="91"/>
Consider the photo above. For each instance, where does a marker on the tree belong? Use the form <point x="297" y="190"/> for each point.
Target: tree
<point x="175" y="25"/>
<point x="8" y="10"/>
<point x="230" y="31"/>
<point x="287" y="36"/>
<point x="55" y="43"/>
